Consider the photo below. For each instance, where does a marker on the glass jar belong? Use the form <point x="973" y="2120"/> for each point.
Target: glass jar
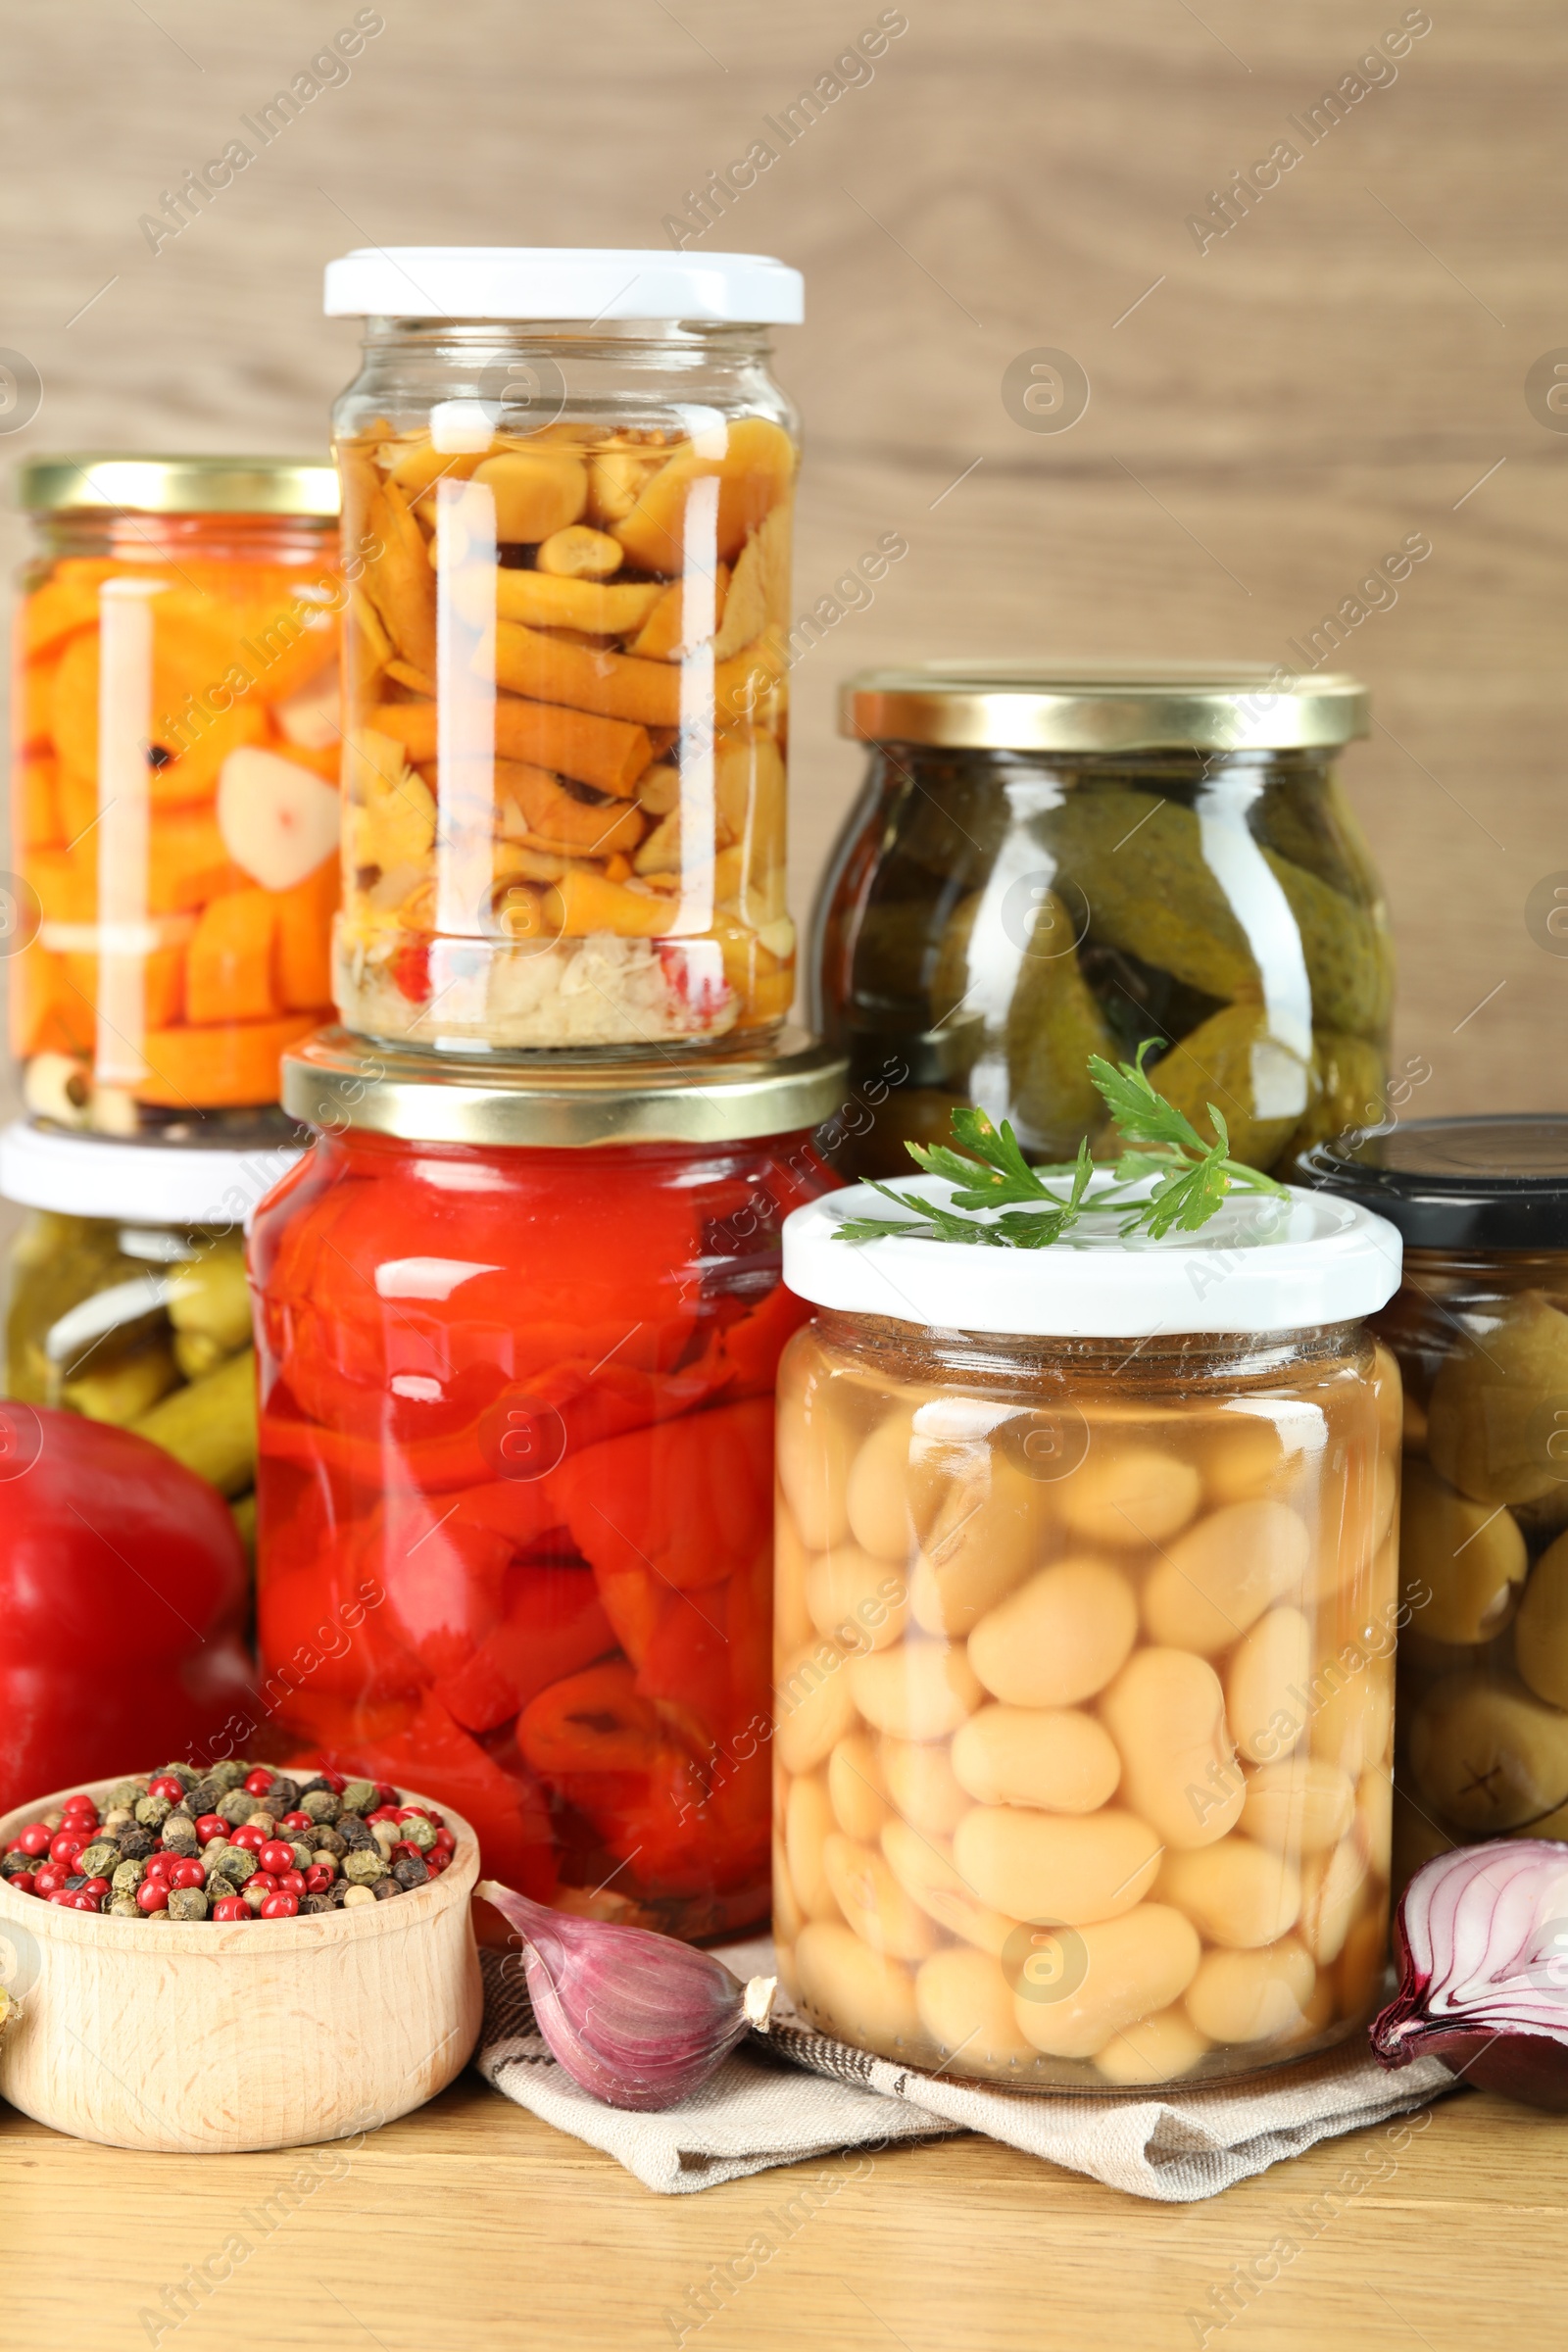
<point x="1085" y="1627"/>
<point x="1480" y="1327"/>
<point x="174" y="806"/>
<point x="1046" y="865"/>
<point x="567" y="668"/>
<point x="125" y="1294"/>
<point x="518" y="1337"/>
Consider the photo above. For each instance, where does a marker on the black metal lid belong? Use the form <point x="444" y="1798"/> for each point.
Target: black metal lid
<point x="1499" y="1183"/>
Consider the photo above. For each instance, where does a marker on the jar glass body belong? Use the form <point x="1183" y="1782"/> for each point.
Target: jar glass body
<point x="1084" y="1697"/>
<point x="1481" y="1339"/>
<point x="145" y="1326"/>
<point x="567" y="686"/>
<point x="990" y="918"/>
<point x="174" y="813"/>
<point x="516" y="1498"/>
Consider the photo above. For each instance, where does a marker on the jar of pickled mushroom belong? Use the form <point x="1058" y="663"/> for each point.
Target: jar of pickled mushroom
<point x="1480" y="1327"/>
<point x="1085" y="1621"/>
<point x="1045" y="864"/>
<point x="567" y="701"/>
<point x="518" y="1331"/>
<point x="174" y="803"/>
<point x="125" y="1293"/>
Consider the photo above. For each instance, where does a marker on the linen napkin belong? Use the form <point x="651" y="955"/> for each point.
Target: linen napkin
<point x="797" y="2094"/>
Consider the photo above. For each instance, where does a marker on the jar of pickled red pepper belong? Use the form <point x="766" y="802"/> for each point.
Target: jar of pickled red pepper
<point x="1085" y="1620"/>
<point x="1480" y="1327"/>
<point x="175" y="806"/>
<point x="566" y="706"/>
<point x="126" y="1292"/>
<point x="1048" y="863"/>
<point x="518" y="1335"/>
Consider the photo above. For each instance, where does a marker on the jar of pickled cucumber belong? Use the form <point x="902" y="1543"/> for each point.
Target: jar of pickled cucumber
<point x="566" y="721"/>
<point x="519" y="1327"/>
<point x="126" y="1295"/>
<point x="1480" y="1327"/>
<point x="1085" y="1603"/>
<point x="1048" y="863"/>
<point x="175" y="802"/>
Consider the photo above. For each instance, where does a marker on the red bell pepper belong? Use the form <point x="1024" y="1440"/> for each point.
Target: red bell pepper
<point x="122" y="1598"/>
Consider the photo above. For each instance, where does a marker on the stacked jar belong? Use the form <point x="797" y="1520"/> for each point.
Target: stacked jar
<point x="175" y="825"/>
<point x="522" y="1308"/>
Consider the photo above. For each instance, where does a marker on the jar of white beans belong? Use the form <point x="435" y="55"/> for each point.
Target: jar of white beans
<point x="1086" y="1609"/>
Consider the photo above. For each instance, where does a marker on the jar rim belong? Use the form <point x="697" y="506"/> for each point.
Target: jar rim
<point x="1495" y="1180"/>
<point x="1105" y="707"/>
<point x="120" y="482"/>
<point x="561" y="282"/>
<point x="137" y="1182"/>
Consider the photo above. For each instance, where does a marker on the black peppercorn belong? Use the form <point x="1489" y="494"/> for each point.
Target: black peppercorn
<point x="408" y="1873"/>
<point x="384" y="1888"/>
<point x="326" y="1840"/>
<point x="135" y="1844"/>
<point x="355" y="1833"/>
<point x="282" y="1798"/>
<point x="313" y="1903"/>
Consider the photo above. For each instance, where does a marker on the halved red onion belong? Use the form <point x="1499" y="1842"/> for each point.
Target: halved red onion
<point x="1481" y="1936"/>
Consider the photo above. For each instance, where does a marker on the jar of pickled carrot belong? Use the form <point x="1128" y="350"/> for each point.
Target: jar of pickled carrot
<point x="1086" y="1608"/>
<point x="175" y="790"/>
<point x="566" y="704"/>
<point x="518" y="1339"/>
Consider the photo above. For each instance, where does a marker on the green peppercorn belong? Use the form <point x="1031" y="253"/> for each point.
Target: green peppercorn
<point x="419" y="1832"/>
<point x="153" y="1811"/>
<point x="127" y="1792"/>
<point x="13" y="1865"/>
<point x="359" y="1797"/>
<point x="302" y="1856"/>
<point x="99" y="1858"/>
<point x="239" y="1862"/>
<point x="219" y="1886"/>
<point x="363" y="1869"/>
<point x="235" y="1807"/>
<point x="124" y="1906"/>
<point x="185" y="1774"/>
<point x="127" y="1876"/>
<point x="187" y="1903"/>
<point x="179" y="1835"/>
<point x="227" y="1774"/>
<point x="322" y="1804"/>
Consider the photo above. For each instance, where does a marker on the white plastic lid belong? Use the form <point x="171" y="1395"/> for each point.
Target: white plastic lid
<point x="1259" y="1264"/>
<point x="138" y="1184"/>
<point x="563" y="281"/>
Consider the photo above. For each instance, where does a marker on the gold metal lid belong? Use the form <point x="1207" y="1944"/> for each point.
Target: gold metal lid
<point x="98" y="481"/>
<point x="1105" y="707"/>
<point x="338" y="1079"/>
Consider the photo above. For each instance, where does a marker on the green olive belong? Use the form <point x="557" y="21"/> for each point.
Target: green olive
<point x="1486" y="1755"/>
<point x="1497" y="1426"/>
<point x="1541" y="1632"/>
<point x="1461" y="1565"/>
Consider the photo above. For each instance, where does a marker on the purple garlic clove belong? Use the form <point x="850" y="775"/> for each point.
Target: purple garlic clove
<point x="1481" y="1936"/>
<point x="638" y="2020"/>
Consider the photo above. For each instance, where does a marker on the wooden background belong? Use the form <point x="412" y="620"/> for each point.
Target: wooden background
<point x="1342" y="369"/>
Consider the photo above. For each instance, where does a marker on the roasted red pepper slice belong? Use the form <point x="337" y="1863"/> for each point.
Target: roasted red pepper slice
<point x="682" y="1499"/>
<point x="436" y="1756"/>
<point x="553" y="1625"/>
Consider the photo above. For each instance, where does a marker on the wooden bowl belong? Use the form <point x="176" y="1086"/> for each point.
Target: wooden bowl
<point x="268" y="2033"/>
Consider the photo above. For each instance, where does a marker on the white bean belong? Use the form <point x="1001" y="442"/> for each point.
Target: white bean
<point x="1332" y="1889"/>
<point x="1060" y="1639"/>
<point x="1298" y="1808"/>
<point x="921" y="1785"/>
<point x="1157" y="2049"/>
<point x="1129" y="1497"/>
<point x="925" y="1869"/>
<point x="919" y="1690"/>
<point x="1374" y="1817"/>
<point x="1222" y="1574"/>
<point x="1056" y="1866"/>
<point x="1053" y="1757"/>
<point x="982" y="1542"/>
<point x="874" y="1902"/>
<point x="860" y="1600"/>
<point x="1251" y="1996"/>
<point x="815" y="1447"/>
<point x="1243" y="1457"/>
<point x="814" y="1705"/>
<point x="1111" y="1975"/>
<point x="859" y="1995"/>
<point x="855" y="1790"/>
<point x="1234" y="1892"/>
<point x="1166" y="1713"/>
<point x="1351" y="1719"/>
<point x="786" y="1920"/>
<point x="966" y="2007"/>
<point x="791" y="1619"/>
<point x="1270" y="1660"/>
<point x="877" y="1496"/>
<point x="808" y="1825"/>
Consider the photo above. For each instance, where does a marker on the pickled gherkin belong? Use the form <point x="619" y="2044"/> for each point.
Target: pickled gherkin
<point x="210" y="1424"/>
<point x="1258" y="1087"/>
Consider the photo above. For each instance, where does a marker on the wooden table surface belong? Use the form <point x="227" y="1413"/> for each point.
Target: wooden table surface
<point x="472" y="2225"/>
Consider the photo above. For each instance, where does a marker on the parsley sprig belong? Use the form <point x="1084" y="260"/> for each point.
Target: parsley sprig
<point x="1191" y="1177"/>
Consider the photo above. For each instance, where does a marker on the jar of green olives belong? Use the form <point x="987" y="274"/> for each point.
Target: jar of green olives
<point x="1480" y="1327"/>
<point x="1045" y="864"/>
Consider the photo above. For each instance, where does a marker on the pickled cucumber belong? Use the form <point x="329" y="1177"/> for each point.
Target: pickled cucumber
<point x="211" y="1426"/>
<point x="56" y="1262"/>
<point x="1497" y="1422"/>
<point x="1220" y="1063"/>
<point x="122" y="1388"/>
<point x="210" y="1296"/>
<point x="1048" y="1025"/>
<point x="1348" y="1076"/>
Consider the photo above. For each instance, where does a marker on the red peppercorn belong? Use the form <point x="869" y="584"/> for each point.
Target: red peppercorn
<point x="66" y="1844"/>
<point x="188" y="1873"/>
<point x="385" y="1793"/>
<point x="249" y="1840"/>
<point x="445" y="1840"/>
<point x="165" y="1784"/>
<point x="97" y="1888"/>
<point x="159" y="1865"/>
<point x="81" y="1813"/>
<point x="296" y="1821"/>
<point x="318" y="1878"/>
<point x="24" y="1882"/>
<point x="211" y="1825"/>
<point x="385" y="1813"/>
<point x="280" y="1906"/>
<point x="49" y="1876"/>
<point x="63" y="1897"/>
<point x="152" y="1896"/>
<point x="34" y="1839"/>
<point x="335" y="1781"/>
<point x="260" y="1881"/>
<point x="403" y="1849"/>
<point x="232" y="1906"/>
<point x="292" y="1882"/>
<point x="435" y="1861"/>
<point x="260" y="1781"/>
<point x="276" y="1855"/>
